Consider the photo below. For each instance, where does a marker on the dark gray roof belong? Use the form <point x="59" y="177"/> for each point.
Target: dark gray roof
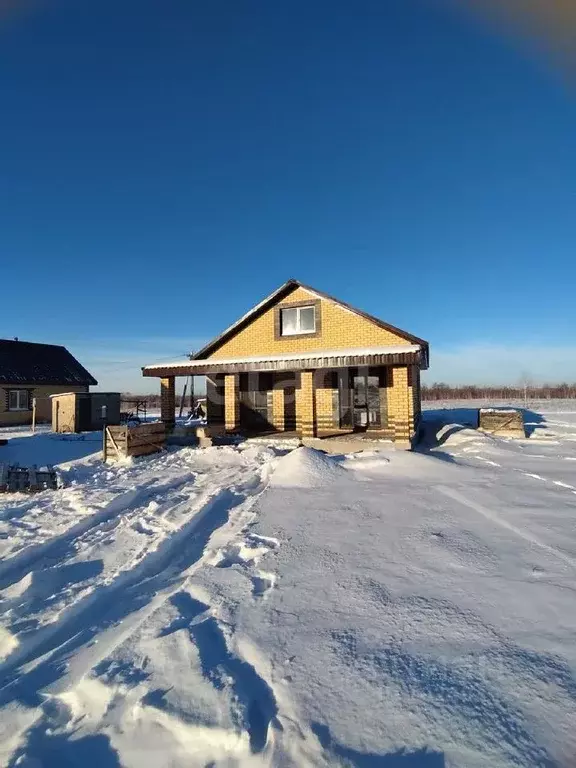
<point x="23" y="362"/>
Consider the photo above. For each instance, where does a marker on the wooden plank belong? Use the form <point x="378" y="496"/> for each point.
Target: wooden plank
<point x="139" y="440"/>
<point x="142" y="450"/>
<point x="146" y="429"/>
<point x="119" y="440"/>
<point x="508" y="420"/>
<point x="114" y="443"/>
<point x="117" y="431"/>
<point x="145" y="439"/>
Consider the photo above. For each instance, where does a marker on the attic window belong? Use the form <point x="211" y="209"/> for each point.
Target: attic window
<point x="298" y="320"/>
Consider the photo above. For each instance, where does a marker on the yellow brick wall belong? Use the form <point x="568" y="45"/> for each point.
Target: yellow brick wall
<point x="43" y="402"/>
<point x="401" y="405"/>
<point x="231" y="402"/>
<point x="306" y="403"/>
<point x="416" y="394"/>
<point x="278" y="409"/>
<point x="168" y="400"/>
<point x="325" y="410"/>
<point x="340" y="329"/>
<point x="298" y="401"/>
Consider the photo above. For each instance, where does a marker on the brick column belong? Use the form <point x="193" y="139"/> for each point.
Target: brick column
<point x="278" y="409"/>
<point x="307" y="404"/>
<point x="231" y="402"/>
<point x="400" y="409"/>
<point x="168" y="401"/>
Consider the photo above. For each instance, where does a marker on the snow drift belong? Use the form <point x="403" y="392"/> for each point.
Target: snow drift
<point x="307" y="468"/>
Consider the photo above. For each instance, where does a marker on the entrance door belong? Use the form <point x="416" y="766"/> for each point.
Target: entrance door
<point x="365" y="402"/>
<point x="84" y="415"/>
<point x="255" y="404"/>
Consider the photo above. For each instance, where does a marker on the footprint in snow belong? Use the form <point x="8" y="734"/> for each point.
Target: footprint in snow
<point x="262" y="583"/>
<point x="246" y="555"/>
<point x="143" y="527"/>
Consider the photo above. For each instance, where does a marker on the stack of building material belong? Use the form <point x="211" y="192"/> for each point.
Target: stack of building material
<point x="139" y="440"/>
<point x="507" y="422"/>
<point x="14" y="478"/>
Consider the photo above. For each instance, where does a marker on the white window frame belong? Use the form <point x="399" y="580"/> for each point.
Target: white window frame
<point x="20" y="393"/>
<point x="298" y="331"/>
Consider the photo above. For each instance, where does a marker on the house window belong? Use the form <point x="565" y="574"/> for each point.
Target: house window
<point x="297" y="320"/>
<point x="18" y="400"/>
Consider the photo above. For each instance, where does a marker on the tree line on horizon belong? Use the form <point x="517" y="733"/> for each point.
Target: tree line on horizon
<point x="440" y="391"/>
<point x="443" y="391"/>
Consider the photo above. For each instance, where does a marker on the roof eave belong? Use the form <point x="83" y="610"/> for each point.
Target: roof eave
<point x="235" y="327"/>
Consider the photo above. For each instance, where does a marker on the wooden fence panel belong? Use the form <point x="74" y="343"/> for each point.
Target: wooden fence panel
<point x="502" y="422"/>
<point x="138" y="440"/>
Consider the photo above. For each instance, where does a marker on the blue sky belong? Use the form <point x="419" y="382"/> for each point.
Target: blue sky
<point x="166" y="165"/>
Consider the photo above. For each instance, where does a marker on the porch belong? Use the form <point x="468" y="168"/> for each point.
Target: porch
<point x="376" y="392"/>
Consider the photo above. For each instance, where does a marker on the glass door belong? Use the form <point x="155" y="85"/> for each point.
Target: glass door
<point x="365" y="402"/>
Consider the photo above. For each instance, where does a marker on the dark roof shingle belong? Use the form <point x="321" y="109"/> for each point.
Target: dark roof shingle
<point x="23" y="362"/>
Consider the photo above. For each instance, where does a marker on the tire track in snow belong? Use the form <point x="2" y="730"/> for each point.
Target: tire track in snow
<point x="493" y="517"/>
<point x="15" y="568"/>
<point x="112" y="613"/>
<point x="533" y="475"/>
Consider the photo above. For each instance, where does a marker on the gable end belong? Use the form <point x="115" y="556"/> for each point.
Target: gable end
<point x="337" y="325"/>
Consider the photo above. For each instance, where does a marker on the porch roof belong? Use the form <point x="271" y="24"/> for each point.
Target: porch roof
<point x="401" y="354"/>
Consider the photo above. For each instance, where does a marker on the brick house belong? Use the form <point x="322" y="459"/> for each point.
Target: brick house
<point x="302" y="361"/>
<point x="28" y="371"/>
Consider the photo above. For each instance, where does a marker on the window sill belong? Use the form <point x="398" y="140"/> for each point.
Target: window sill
<point x="19" y="410"/>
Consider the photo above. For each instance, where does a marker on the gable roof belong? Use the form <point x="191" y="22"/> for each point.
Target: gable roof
<point x="278" y="295"/>
<point x="24" y="362"/>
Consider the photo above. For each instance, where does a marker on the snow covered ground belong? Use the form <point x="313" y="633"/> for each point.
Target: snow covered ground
<point x="261" y="606"/>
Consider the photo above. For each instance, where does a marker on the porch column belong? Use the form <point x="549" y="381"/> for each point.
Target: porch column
<point x="278" y="409"/>
<point x="231" y="402"/>
<point x="400" y="409"/>
<point x="168" y="401"/>
<point x="307" y="403"/>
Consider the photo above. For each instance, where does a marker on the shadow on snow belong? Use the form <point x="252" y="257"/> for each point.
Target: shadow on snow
<point x="400" y="759"/>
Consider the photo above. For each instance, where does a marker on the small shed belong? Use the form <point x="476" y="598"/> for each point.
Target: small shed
<point x="82" y="411"/>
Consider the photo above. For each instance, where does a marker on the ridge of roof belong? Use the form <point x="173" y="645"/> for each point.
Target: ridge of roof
<point x="30" y="362"/>
<point x="31" y="343"/>
<point x="286" y="287"/>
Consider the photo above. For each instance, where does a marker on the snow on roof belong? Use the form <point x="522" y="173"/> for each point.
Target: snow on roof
<point x="63" y="394"/>
<point x="396" y="349"/>
<point x="499" y="410"/>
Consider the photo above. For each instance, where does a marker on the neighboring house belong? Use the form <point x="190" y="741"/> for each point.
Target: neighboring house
<point x="304" y="361"/>
<point x="30" y="371"/>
